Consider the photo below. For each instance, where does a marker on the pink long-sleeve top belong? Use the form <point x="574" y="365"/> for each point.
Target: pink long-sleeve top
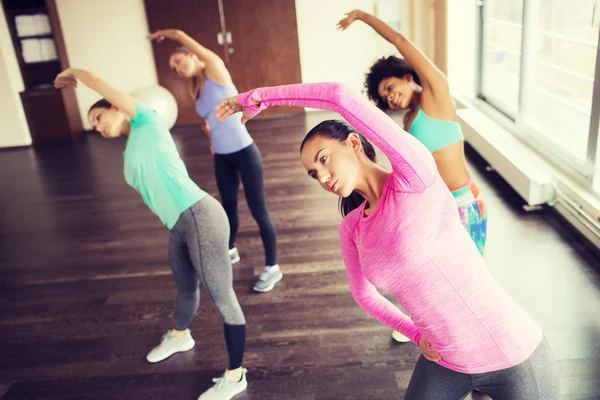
<point x="414" y="246"/>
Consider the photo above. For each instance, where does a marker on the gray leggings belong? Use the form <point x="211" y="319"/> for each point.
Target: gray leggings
<point x="198" y="249"/>
<point x="536" y="378"/>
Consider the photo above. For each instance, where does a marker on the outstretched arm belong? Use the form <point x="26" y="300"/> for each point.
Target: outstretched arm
<point x="367" y="296"/>
<point x="432" y="79"/>
<point x="215" y="67"/>
<point x="412" y="163"/>
<point x="116" y="97"/>
<point x="430" y="75"/>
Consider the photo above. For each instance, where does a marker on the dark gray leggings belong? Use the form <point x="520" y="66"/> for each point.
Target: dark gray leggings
<point x="536" y="378"/>
<point x="198" y="249"/>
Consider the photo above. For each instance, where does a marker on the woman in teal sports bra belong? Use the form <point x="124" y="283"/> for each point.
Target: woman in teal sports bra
<point x="416" y="84"/>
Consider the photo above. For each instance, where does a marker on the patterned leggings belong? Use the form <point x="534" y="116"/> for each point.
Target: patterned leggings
<point x="473" y="212"/>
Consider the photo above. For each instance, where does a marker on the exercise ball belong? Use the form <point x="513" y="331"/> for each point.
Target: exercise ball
<point x="160" y="100"/>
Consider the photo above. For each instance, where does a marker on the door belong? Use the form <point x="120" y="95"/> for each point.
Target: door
<point x="264" y="47"/>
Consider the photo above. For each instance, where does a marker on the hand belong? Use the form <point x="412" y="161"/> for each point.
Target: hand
<point x="205" y="126"/>
<point x="350" y="18"/>
<point x="230" y="106"/>
<point x="212" y="150"/>
<point x="161" y="35"/>
<point x="428" y="352"/>
<point x="65" y="79"/>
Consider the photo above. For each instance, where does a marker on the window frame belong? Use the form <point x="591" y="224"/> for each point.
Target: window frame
<point x="567" y="162"/>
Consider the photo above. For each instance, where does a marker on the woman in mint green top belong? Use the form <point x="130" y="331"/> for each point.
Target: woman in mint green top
<point x="198" y="242"/>
<point x="415" y="84"/>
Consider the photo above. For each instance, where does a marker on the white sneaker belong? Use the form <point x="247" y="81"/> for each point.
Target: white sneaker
<point x="269" y="277"/>
<point x="225" y="388"/>
<point x="400" y="338"/>
<point x="234" y="255"/>
<point x="170" y="345"/>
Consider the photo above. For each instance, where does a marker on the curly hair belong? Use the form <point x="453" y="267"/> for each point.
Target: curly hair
<point x="383" y="68"/>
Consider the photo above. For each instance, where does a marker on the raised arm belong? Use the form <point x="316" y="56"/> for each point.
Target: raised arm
<point x="411" y="161"/>
<point x="367" y="296"/>
<point x="215" y="67"/>
<point x="431" y="77"/>
<point x="116" y="97"/>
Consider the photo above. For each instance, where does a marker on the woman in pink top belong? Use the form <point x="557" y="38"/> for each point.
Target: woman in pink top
<point x="401" y="234"/>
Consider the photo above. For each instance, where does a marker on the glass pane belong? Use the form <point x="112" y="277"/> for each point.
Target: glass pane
<point x="501" y="68"/>
<point x="558" y="94"/>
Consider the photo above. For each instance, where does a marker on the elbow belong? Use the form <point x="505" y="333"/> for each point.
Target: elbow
<point x="340" y="89"/>
<point x="364" y="302"/>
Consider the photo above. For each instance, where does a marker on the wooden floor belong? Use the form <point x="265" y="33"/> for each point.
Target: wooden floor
<point x="86" y="288"/>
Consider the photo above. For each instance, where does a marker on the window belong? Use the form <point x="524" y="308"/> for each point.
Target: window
<point x="538" y="67"/>
<point x="501" y="54"/>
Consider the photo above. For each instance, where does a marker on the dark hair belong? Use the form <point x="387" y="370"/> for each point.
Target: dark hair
<point x="102" y="103"/>
<point x="339" y="130"/>
<point x="383" y="68"/>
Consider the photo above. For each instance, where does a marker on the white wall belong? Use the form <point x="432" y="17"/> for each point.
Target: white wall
<point x="15" y="131"/>
<point x="422" y="12"/>
<point x="107" y="37"/>
<point x="329" y="55"/>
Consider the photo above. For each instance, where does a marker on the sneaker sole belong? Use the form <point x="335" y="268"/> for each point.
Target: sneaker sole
<point x="232" y="395"/>
<point x="240" y="391"/>
<point x="167" y="355"/>
<point x="403" y="339"/>
<point x="270" y="287"/>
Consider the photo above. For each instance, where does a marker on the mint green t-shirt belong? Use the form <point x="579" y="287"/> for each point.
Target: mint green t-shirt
<point x="154" y="168"/>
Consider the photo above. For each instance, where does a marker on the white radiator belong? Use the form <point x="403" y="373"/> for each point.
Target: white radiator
<point x="524" y="170"/>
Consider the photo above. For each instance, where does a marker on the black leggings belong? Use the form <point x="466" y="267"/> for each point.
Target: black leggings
<point x="246" y="164"/>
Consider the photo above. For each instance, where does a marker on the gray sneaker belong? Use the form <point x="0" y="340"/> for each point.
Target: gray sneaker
<point x="224" y="388"/>
<point x="269" y="277"/>
<point x="170" y="345"/>
<point x="234" y="255"/>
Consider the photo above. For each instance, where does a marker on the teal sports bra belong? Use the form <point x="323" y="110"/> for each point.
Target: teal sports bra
<point x="434" y="133"/>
